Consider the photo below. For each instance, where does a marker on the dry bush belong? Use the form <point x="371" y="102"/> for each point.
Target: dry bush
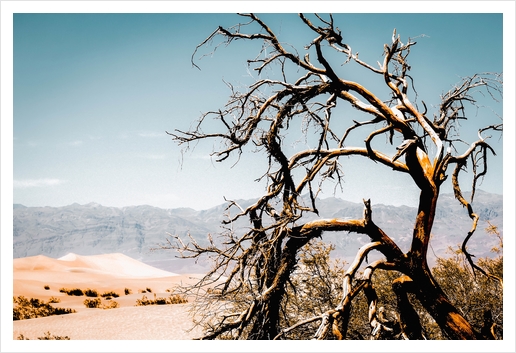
<point x="47" y="336"/>
<point x="75" y="292"/>
<point x="92" y="303"/>
<point x="91" y="293"/>
<point x="33" y="308"/>
<point x="111" y="305"/>
<point x="54" y="300"/>
<point x="173" y="299"/>
<point x="110" y="294"/>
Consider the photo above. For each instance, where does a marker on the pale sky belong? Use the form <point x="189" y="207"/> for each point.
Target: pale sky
<point x="94" y="94"/>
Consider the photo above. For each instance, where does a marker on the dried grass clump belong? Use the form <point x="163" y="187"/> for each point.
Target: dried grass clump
<point x="173" y="299"/>
<point x="33" y="308"/>
<point x="47" y="336"/>
<point x="76" y="291"/>
<point x="97" y="303"/>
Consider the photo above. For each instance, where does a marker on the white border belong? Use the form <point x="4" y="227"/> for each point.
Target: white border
<point x="9" y="7"/>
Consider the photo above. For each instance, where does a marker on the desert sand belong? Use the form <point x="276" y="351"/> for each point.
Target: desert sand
<point x="103" y="273"/>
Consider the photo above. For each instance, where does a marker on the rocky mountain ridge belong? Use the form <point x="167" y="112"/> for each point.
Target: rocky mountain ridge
<point x="139" y="231"/>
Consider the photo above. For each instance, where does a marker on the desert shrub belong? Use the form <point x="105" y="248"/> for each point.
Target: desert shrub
<point x="111" y="305"/>
<point x="142" y="302"/>
<point x="33" y="308"/>
<point x="92" y="303"/>
<point x="91" y="293"/>
<point x="127" y="291"/>
<point x="160" y="301"/>
<point x="142" y="291"/>
<point x="62" y="311"/>
<point x="76" y="291"/>
<point x="47" y="336"/>
<point x="46" y="287"/>
<point x="174" y="299"/>
<point x="53" y="300"/>
<point x="149" y="290"/>
<point x="177" y="299"/>
<point x="110" y="294"/>
<point x="97" y="303"/>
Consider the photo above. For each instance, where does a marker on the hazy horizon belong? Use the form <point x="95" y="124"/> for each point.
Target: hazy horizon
<point x="466" y="193"/>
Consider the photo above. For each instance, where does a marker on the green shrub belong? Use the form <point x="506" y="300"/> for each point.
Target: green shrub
<point x="91" y="293"/>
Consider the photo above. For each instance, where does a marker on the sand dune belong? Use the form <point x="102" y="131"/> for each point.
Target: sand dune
<point x="104" y="273"/>
<point x="115" y="264"/>
<point x="167" y="322"/>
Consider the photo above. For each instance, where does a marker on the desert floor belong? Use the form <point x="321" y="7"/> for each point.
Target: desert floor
<point x="104" y="273"/>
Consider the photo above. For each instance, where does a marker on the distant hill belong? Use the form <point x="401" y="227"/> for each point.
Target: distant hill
<point x="137" y="231"/>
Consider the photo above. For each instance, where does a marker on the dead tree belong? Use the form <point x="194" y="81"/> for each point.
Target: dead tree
<point x="254" y="267"/>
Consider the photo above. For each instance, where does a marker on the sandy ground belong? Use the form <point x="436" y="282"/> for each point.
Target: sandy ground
<point x="104" y="273"/>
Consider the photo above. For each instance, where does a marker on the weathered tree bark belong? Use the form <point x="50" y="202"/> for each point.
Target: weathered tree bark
<point x="451" y="322"/>
<point x="258" y="264"/>
<point x="409" y="319"/>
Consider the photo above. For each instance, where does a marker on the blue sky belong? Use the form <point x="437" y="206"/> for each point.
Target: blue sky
<point x="94" y="94"/>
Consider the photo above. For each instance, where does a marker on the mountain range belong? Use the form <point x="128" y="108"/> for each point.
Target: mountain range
<point x="139" y="231"/>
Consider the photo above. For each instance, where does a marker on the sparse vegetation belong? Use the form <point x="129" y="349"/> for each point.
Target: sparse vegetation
<point x="149" y="290"/>
<point x="47" y="287"/>
<point x="111" y="305"/>
<point x="53" y="300"/>
<point x="91" y="293"/>
<point x="33" y="308"/>
<point x="92" y="303"/>
<point x="97" y="304"/>
<point x="47" y="336"/>
<point x="110" y="294"/>
<point x="76" y="291"/>
<point x="173" y="299"/>
<point x="128" y="291"/>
